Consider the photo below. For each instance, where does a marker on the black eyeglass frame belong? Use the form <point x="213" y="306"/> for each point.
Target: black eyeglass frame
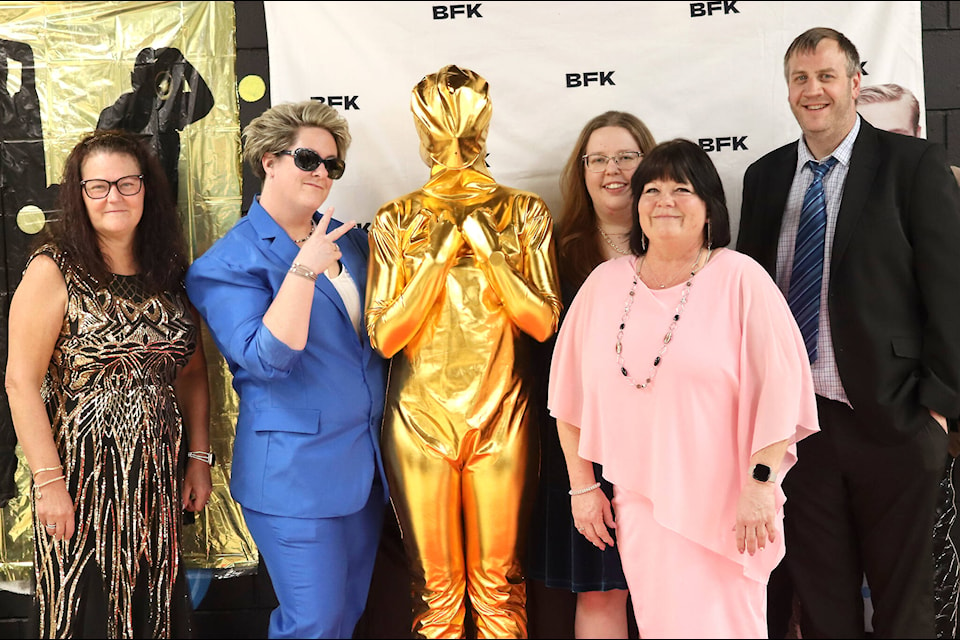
<point x="111" y="184"/>
<point x="308" y="160"/>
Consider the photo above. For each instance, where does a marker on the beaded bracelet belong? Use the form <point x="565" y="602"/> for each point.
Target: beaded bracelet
<point x="298" y="269"/>
<point x="577" y="492"/>
<point x="36" y="487"/>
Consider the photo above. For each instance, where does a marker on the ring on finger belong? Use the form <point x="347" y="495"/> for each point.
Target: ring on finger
<point x="51" y="526"/>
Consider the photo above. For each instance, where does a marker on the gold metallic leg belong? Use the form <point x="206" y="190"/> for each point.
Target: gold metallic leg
<point x="425" y="489"/>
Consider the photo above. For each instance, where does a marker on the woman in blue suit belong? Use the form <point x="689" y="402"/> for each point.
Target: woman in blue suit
<point x="282" y="293"/>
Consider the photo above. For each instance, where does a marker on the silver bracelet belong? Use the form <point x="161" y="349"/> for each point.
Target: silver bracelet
<point x="578" y="492"/>
<point x="298" y="269"/>
<point x="203" y="456"/>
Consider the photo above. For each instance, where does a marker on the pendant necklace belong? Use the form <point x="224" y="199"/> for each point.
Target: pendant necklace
<point x="660" y="284"/>
<point x="609" y="241"/>
<point x="668" y="336"/>
<point x="313" y="226"/>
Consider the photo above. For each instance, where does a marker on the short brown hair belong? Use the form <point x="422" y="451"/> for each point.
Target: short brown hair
<point x="807" y="42"/>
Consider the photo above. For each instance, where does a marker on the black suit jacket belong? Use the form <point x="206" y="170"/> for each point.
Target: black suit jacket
<point x="894" y="290"/>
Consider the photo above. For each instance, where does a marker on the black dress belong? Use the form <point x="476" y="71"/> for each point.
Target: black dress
<point x="558" y="554"/>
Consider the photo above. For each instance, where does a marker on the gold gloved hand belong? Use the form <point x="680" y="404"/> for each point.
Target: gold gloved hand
<point x="445" y="241"/>
<point x="480" y="233"/>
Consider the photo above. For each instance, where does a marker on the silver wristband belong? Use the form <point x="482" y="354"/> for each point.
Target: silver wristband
<point x="298" y="269"/>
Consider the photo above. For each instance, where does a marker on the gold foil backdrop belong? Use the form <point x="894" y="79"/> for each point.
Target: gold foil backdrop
<point x="164" y="69"/>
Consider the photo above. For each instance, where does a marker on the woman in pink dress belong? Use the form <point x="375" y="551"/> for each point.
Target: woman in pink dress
<point x="680" y="369"/>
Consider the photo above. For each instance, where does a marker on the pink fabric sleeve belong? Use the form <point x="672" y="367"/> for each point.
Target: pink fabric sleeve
<point x="565" y="391"/>
<point x="776" y="397"/>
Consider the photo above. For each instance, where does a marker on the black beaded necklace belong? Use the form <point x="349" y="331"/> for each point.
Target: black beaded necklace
<point x="313" y="226"/>
<point x="668" y="336"/>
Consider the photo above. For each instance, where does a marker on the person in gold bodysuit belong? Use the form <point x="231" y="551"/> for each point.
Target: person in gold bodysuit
<point x="462" y="276"/>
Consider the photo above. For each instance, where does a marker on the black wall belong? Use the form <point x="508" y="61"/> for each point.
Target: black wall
<point x="941" y="74"/>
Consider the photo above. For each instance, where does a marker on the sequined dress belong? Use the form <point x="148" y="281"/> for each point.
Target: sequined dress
<point x="116" y="422"/>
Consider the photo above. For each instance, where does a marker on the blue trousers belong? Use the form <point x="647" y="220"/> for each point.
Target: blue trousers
<point x="320" y="568"/>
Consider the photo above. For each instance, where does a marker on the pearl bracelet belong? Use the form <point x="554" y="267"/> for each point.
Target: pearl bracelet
<point x="298" y="269"/>
<point x="578" y="492"/>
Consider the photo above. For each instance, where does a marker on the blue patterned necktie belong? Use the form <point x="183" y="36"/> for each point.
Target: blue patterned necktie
<point x="805" y="281"/>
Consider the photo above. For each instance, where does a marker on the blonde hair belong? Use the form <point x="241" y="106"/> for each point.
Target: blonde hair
<point x="277" y="128"/>
<point x="891" y="92"/>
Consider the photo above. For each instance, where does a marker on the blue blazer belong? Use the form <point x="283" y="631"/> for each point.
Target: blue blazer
<point x="308" y="431"/>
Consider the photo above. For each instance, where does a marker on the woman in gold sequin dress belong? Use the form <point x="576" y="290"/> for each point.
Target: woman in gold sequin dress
<point x="107" y="385"/>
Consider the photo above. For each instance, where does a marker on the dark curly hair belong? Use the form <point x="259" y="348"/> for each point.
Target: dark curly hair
<point x="159" y="247"/>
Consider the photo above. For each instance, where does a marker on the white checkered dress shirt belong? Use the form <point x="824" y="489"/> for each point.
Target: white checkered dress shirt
<point x="826" y="377"/>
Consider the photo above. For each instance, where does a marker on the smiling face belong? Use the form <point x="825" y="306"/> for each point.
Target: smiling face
<point x="288" y="187"/>
<point x="672" y="215"/>
<point x="822" y="96"/>
<point x="610" y="190"/>
<point x="115" y="217"/>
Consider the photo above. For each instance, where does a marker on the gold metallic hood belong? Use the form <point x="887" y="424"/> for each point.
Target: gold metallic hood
<point x="452" y="111"/>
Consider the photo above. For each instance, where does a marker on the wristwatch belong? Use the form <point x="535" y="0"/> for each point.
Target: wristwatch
<point x="762" y="473"/>
<point x="203" y="456"/>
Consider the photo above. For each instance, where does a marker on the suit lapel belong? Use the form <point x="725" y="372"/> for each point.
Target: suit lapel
<point x="274" y="243"/>
<point x="355" y="260"/>
<point x="774" y="188"/>
<point x="282" y="251"/>
<point x="326" y="287"/>
<point x="856" y="190"/>
<point x="781" y="180"/>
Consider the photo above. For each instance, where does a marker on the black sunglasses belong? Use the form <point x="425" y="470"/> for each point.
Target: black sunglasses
<point x="309" y="160"/>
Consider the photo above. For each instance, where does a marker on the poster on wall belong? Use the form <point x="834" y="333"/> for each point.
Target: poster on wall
<point x="164" y="70"/>
<point x="711" y="72"/>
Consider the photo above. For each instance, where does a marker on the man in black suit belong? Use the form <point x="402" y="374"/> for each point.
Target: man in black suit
<point x="886" y="358"/>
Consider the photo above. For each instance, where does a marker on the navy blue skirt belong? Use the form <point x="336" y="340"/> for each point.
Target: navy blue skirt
<point x="557" y="553"/>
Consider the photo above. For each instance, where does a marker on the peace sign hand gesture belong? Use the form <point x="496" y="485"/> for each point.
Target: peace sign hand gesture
<point x="319" y="251"/>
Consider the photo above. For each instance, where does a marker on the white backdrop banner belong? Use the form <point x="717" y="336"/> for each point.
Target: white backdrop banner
<point x="711" y="72"/>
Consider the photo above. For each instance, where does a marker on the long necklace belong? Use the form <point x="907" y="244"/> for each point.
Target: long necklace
<point x="668" y="336"/>
<point x="313" y="226"/>
<point x="609" y="241"/>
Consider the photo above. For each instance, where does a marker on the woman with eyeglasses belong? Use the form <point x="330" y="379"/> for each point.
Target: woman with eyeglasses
<point x="282" y="294"/>
<point x="108" y="391"/>
<point x="593" y="226"/>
